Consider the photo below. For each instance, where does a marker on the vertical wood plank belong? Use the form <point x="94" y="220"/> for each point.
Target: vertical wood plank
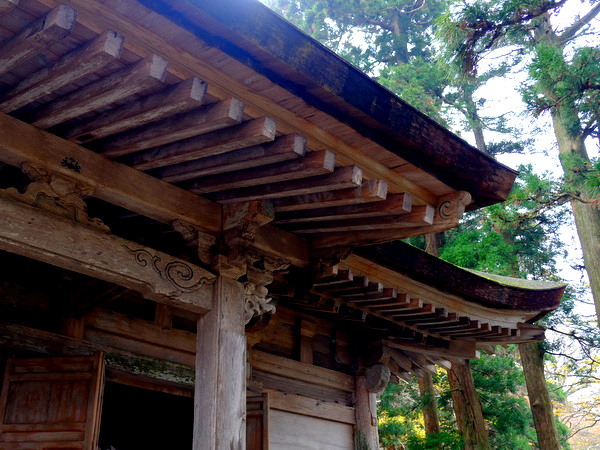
<point x="366" y="437"/>
<point x="220" y="392"/>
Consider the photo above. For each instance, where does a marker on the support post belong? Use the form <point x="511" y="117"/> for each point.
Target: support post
<point x="366" y="437"/>
<point x="220" y="392"/>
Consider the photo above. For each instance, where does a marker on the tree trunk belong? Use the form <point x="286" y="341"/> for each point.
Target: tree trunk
<point x="573" y="154"/>
<point x="430" y="413"/>
<point x="539" y="398"/>
<point x="467" y="407"/>
<point x="587" y="216"/>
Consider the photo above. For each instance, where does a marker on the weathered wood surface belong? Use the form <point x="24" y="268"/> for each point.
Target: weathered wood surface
<point x="7" y="6"/>
<point x="220" y="395"/>
<point x="284" y="148"/>
<point x="81" y="62"/>
<point x="112" y="182"/>
<point x="257" y="422"/>
<point x="295" y="431"/>
<point x="366" y="437"/>
<point x="296" y="370"/>
<point x="33" y="233"/>
<point x="313" y="164"/>
<point x="35" y="37"/>
<point x="51" y="402"/>
<point x="204" y="119"/>
<point x="20" y="338"/>
<point x="246" y="134"/>
<point x="311" y="407"/>
<point x="369" y="191"/>
<point x="175" y="99"/>
<point x="393" y="204"/>
<point x="341" y="178"/>
<point x="136" y="78"/>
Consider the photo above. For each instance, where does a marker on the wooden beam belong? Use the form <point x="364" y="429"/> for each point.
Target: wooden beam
<point x="175" y="99"/>
<point x="7" y="6"/>
<point x="81" y="62"/>
<point x="136" y="78"/>
<point x="35" y="37"/>
<point x="278" y="365"/>
<point x="342" y="178"/>
<point x="18" y="337"/>
<point x="306" y="406"/>
<point x="359" y="238"/>
<point x="394" y="204"/>
<point x="93" y="294"/>
<point x="128" y="188"/>
<point x="369" y="191"/>
<point x="33" y="233"/>
<point x="456" y="349"/>
<point x="420" y="216"/>
<point x="251" y="132"/>
<point x="315" y="163"/>
<point x="288" y="246"/>
<point x="205" y="119"/>
<point x="283" y="148"/>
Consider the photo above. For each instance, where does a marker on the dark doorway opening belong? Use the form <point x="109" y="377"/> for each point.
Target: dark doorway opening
<point x="134" y="418"/>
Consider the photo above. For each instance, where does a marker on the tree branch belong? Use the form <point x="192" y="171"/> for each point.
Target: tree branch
<point x="570" y="32"/>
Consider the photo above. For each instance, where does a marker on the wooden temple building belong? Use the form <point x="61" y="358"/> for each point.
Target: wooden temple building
<point x="200" y="215"/>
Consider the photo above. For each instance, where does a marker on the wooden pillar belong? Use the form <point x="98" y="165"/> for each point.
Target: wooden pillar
<point x="220" y="393"/>
<point x="366" y="437"/>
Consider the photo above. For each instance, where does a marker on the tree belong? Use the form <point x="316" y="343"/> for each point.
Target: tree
<point x="566" y="87"/>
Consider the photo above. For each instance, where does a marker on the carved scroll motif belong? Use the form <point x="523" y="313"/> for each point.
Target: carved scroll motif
<point x="452" y="207"/>
<point x="256" y="300"/>
<point x="178" y="273"/>
<point x="56" y="194"/>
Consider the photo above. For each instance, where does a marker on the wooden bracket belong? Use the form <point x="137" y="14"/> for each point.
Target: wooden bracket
<point x="201" y="243"/>
<point x="57" y="194"/>
<point x="451" y="207"/>
<point x="377" y="378"/>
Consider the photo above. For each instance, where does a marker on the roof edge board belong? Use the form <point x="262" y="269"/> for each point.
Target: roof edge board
<point x="452" y="161"/>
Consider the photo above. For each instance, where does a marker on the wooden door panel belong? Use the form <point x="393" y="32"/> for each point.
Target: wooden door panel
<point x="51" y="403"/>
<point x="257" y="422"/>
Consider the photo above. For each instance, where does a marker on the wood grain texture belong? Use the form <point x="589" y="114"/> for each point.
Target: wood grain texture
<point x="33" y="233"/>
<point x="112" y="182"/>
<point x="369" y="191"/>
<point x="205" y="119"/>
<point x="145" y="75"/>
<point x="315" y="163"/>
<point x="343" y="178"/>
<point x="283" y="148"/>
<point x="310" y="407"/>
<point x="7" y="6"/>
<point x="220" y="395"/>
<point x="35" y="37"/>
<point x="174" y="99"/>
<point x="79" y="63"/>
<point x="51" y="402"/>
<point x="251" y="132"/>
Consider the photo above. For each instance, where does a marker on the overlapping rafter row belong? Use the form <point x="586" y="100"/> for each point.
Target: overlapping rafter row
<point x="88" y="88"/>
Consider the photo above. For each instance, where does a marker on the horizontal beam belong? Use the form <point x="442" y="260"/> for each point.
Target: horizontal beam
<point x="175" y="99"/>
<point x="81" y="62"/>
<point x="18" y="337"/>
<point x="35" y="37"/>
<point x="36" y="234"/>
<point x="115" y="183"/>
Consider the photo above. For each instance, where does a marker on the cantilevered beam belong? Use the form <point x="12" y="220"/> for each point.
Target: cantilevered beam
<point x="36" y="234"/>
<point x="147" y="74"/>
<point x="36" y="36"/>
<point x="287" y="147"/>
<point x="81" y="62"/>
<point x="7" y="6"/>
<point x="252" y="132"/>
<point x="115" y="183"/>
<point x="175" y="99"/>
